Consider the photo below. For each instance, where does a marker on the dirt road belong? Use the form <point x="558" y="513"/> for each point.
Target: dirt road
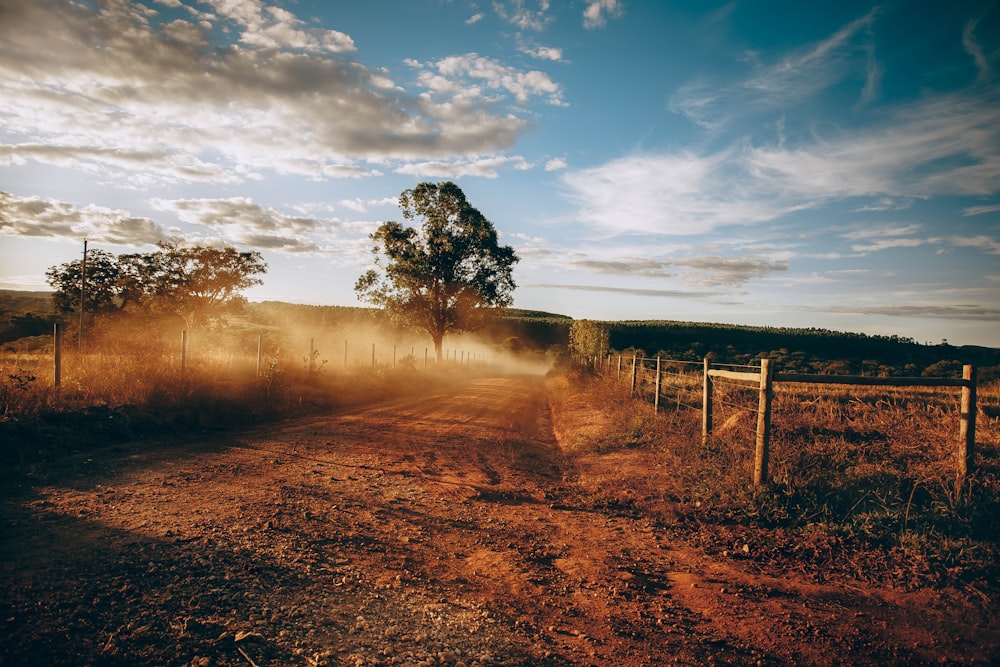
<point x="445" y="529"/>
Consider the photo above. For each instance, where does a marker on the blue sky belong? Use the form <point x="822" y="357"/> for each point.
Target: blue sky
<point x="833" y="165"/>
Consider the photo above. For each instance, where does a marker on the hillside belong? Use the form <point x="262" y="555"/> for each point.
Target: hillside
<point x="24" y="314"/>
<point x="796" y="349"/>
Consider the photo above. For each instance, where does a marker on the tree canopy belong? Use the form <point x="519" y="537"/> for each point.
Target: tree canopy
<point x="196" y="283"/>
<point x="448" y="276"/>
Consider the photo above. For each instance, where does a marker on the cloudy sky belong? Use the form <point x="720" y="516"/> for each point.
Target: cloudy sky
<point x="831" y="164"/>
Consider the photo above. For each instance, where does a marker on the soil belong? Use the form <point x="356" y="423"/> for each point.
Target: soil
<point x="456" y="527"/>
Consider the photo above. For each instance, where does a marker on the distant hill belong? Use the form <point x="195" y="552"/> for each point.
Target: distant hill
<point x="535" y="329"/>
<point x="797" y="349"/>
<point x="16" y="301"/>
<point x="24" y="314"/>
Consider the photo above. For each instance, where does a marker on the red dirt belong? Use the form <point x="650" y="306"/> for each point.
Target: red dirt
<point x="446" y="529"/>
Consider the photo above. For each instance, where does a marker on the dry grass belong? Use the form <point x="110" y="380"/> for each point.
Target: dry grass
<point x="862" y="479"/>
<point x="127" y="386"/>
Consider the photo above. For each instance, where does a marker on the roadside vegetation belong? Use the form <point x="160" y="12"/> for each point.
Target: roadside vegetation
<point x="862" y="487"/>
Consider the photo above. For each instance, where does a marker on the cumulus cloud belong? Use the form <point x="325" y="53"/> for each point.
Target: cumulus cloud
<point x="362" y="205"/>
<point x="471" y="76"/>
<point x="556" y="164"/>
<point x="597" y="12"/>
<point x="524" y="14"/>
<point x="276" y="28"/>
<point x="544" y="53"/>
<point x="243" y="221"/>
<point x="82" y="85"/>
<point x="50" y="218"/>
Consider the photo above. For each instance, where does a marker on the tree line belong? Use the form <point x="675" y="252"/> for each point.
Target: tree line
<point x="803" y="350"/>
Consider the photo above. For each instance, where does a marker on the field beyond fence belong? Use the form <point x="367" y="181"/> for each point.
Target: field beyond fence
<point x="726" y="395"/>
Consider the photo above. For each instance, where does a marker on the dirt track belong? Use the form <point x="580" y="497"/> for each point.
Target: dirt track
<point x="443" y="529"/>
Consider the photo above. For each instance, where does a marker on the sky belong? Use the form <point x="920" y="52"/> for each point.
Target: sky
<point x="766" y="163"/>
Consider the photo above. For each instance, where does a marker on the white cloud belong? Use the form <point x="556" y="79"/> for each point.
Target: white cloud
<point x="790" y="79"/>
<point x="597" y="12"/>
<point x="50" y="218"/>
<point x="82" y="86"/>
<point x="975" y="49"/>
<point x="981" y="210"/>
<point x="950" y="312"/>
<point x="982" y="242"/>
<point x="524" y="14"/>
<point x="485" y="167"/>
<point x="882" y="231"/>
<point x="467" y="78"/>
<point x="556" y="164"/>
<point x="243" y="221"/>
<point x="276" y="28"/>
<point x="947" y="145"/>
<point x="475" y="18"/>
<point x="670" y="194"/>
<point x="545" y="53"/>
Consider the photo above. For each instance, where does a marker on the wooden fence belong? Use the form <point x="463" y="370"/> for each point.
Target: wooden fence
<point x="764" y="378"/>
<point x="451" y="357"/>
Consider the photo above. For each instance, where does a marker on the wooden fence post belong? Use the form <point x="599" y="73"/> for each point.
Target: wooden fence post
<point x="635" y="358"/>
<point x="706" y="404"/>
<point x="656" y="397"/>
<point x="184" y="347"/>
<point x="763" y="424"/>
<point x="260" y="340"/>
<point x="619" y="365"/>
<point x="393" y="356"/>
<point x="967" y="426"/>
<point x="425" y="357"/>
<point x="312" y="354"/>
<point x="373" y="355"/>
<point x="56" y="355"/>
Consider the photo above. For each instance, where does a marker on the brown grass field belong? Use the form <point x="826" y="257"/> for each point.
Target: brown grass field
<point x="479" y="515"/>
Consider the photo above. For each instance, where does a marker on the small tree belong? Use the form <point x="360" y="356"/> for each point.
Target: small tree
<point x="195" y="283"/>
<point x="448" y="276"/>
<point x="589" y="339"/>
<point x="102" y="289"/>
<point x="200" y="282"/>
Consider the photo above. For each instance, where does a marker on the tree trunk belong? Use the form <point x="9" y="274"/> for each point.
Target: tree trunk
<point x="438" y="340"/>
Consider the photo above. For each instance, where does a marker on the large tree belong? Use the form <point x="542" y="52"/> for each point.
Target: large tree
<point x="199" y="282"/>
<point x="195" y="283"/>
<point x="448" y="276"/>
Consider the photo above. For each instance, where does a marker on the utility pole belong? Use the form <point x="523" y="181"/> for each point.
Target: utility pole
<point x="83" y="291"/>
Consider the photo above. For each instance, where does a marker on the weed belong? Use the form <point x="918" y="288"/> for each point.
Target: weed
<point x="15" y="385"/>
